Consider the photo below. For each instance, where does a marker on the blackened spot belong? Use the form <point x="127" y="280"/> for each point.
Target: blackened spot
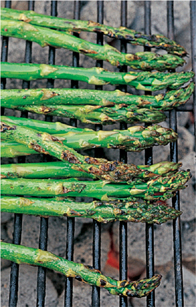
<point x="87" y="159"/>
<point x="38" y="134"/>
<point x="24" y="97"/>
<point x="102" y="282"/>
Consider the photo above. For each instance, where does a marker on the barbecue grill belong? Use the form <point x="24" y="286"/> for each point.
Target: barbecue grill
<point x="123" y="238"/>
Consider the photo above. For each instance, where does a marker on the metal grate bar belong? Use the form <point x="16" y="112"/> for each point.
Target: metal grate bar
<point x="70" y="220"/>
<point x="176" y="199"/>
<point x="4" y="54"/>
<point x="193" y="51"/>
<point x="98" y="154"/>
<point x="43" y="239"/>
<point x="150" y="301"/>
<point x="13" y="295"/>
<point x="123" y="158"/>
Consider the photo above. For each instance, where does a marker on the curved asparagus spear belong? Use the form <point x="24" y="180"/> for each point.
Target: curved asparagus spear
<point x="140" y="211"/>
<point x="131" y="36"/>
<point x="98" y="115"/>
<point x="144" y="80"/>
<point x="160" y="188"/>
<point x="67" y="96"/>
<point x="32" y="256"/>
<point x="47" y="37"/>
<point x="64" y="170"/>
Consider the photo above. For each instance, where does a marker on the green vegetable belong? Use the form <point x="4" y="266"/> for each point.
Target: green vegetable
<point x="131" y="36"/>
<point x="144" y="80"/>
<point x="65" y="170"/>
<point x="116" y="210"/>
<point x="47" y="37"/>
<point x="69" y="96"/>
<point x="32" y="256"/>
<point x="160" y="188"/>
<point x="112" y="171"/>
<point x="135" y="138"/>
<point x="98" y="115"/>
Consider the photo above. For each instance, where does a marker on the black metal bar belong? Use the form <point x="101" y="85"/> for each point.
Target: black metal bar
<point x="98" y="153"/>
<point x="4" y="54"/>
<point x="150" y="301"/>
<point x="43" y="238"/>
<point x="70" y="220"/>
<point x="13" y="295"/>
<point x="123" y="158"/>
<point x="175" y="200"/>
<point x="193" y="53"/>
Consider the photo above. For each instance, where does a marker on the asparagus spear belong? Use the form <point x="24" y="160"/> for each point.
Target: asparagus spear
<point x="160" y="188"/>
<point x="66" y="96"/>
<point x="32" y="256"/>
<point x="144" y="80"/>
<point x="98" y="115"/>
<point x="134" y="138"/>
<point x="131" y="36"/>
<point x="47" y="37"/>
<point x="140" y="211"/>
<point x="64" y="170"/>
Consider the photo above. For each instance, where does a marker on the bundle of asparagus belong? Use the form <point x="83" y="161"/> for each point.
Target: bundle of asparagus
<point x="48" y="37"/>
<point x="32" y="256"/>
<point x="112" y="171"/>
<point x="135" y="138"/>
<point x="131" y="36"/>
<point x="144" y="80"/>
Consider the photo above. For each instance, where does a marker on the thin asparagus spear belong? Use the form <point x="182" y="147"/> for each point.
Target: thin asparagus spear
<point x="98" y="115"/>
<point x="144" y="80"/>
<point x="140" y="211"/>
<point x="47" y="37"/>
<point x="160" y="188"/>
<point x="14" y="150"/>
<point x="32" y="256"/>
<point x="131" y="36"/>
<point x="66" y="96"/>
<point x="64" y="170"/>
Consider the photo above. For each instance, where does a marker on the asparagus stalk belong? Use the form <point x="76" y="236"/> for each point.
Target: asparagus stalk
<point x="14" y="150"/>
<point x="144" y="80"/>
<point x="64" y="170"/>
<point x="134" y="138"/>
<point x="32" y="256"/>
<point x="98" y="115"/>
<point x="131" y="36"/>
<point x="47" y="37"/>
<point x="160" y="188"/>
<point x="19" y="97"/>
<point x="140" y="211"/>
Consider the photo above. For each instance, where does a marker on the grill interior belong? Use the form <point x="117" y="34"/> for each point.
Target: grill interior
<point x="123" y="232"/>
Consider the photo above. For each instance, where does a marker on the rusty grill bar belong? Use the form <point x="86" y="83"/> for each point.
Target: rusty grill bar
<point x="13" y="294"/>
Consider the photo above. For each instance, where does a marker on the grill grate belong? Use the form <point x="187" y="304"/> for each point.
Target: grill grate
<point x="123" y="157"/>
